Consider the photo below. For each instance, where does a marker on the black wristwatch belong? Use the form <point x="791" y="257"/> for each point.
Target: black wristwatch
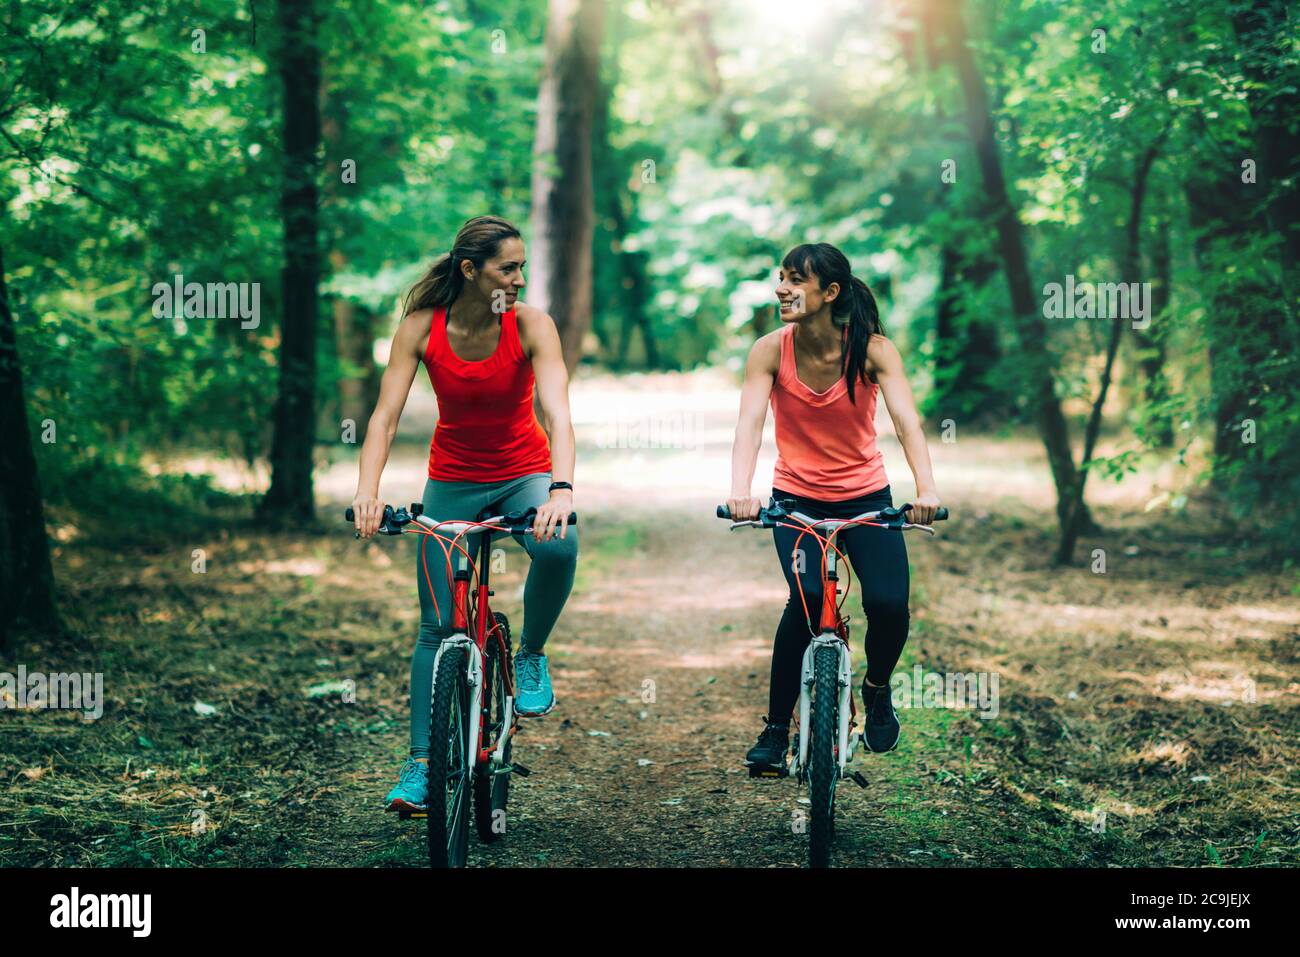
<point x="555" y="485"/>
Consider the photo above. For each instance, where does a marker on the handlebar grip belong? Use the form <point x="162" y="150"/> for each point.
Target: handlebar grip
<point x="724" y="512"/>
<point x="940" y="515"/>
<point x="351" y="516"/>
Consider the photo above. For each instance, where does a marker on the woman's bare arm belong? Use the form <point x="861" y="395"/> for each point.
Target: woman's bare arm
<point x="403" y="362"/>
<point x="887" y="365"/>
<point x="760" y="375"/>
<point x="541" y="343"/>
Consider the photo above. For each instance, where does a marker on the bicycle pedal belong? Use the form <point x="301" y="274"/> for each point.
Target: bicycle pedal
<point x="519" y="769"/>
<point x="407" y="815"/>
<point x="768" y="771"/>
<point x="857" y="778"/>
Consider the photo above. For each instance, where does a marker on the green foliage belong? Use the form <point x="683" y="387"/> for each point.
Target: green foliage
<point x="728" y="132"/>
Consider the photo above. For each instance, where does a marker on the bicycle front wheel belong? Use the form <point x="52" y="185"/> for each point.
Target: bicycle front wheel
<point x="823" y="770"/>
<point x="450" y="774"/>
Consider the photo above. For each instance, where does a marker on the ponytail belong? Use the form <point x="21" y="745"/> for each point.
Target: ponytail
<point x="854" y="309"/>
<point x="862" y="321"/>
<point x="478" y="241"/>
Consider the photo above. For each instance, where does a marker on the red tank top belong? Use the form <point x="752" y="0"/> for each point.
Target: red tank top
<point x="825" y="444"/>
<point x="487" y="430"/>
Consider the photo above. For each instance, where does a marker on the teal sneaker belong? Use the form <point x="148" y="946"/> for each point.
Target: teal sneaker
<point x="412" y="791"/>
<point x="533" y="694"/>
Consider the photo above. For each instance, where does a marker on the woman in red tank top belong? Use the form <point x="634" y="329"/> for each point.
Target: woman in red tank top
<point x="821" y="373"/>
<point x="485" y="353"/>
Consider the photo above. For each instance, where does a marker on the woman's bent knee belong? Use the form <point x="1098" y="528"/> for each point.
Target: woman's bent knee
<point x="556" y="551"/>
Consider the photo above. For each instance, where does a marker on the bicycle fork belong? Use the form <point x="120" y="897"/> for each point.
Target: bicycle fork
<point x="847" y="743"/>
<point x="474" y="676"/>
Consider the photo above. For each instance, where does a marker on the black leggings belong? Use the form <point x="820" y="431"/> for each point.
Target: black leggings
<point x="879" y="560"/>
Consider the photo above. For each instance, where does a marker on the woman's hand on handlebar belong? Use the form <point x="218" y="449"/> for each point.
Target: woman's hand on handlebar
<point x="553" y="514"/>
<point x="367" y="514"/>
<point x="744" y="508"/>
<point x="924" y="507"/>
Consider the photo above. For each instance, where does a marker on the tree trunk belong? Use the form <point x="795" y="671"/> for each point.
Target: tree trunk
<point x="967" y="350"/>
<point x="26" y="576"/>
<point x="563" y="200"/>
<point x="1132" y="272"/>
<point x="1031" y="330"/>
<point x="298" y="61"/>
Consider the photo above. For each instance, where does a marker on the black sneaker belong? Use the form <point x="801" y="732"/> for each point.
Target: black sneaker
<point x="771" y="747"/>
<point x="882" y="721"/>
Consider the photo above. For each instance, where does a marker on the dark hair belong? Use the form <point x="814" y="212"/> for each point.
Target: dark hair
<point x="854" y="309"/>
<point x="478" y="241"/>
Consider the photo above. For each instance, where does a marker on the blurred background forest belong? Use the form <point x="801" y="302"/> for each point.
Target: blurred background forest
<point x="172" y="477"/>
<point x="661" y="155"/>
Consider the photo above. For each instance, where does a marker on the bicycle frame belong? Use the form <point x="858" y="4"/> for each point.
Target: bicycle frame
<point x="833" y="634"/>
<point x="833" y="628"/>
<point x="483" y="628"/>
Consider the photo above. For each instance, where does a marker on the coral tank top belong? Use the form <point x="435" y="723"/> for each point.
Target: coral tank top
<point x="825" y="444"/>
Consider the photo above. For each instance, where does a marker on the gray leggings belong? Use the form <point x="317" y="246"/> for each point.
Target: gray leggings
<point x="550" y="577"/>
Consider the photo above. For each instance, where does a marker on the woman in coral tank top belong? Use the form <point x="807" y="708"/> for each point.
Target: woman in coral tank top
<point x="821" y="372"/>
<point x="484" y="352"/>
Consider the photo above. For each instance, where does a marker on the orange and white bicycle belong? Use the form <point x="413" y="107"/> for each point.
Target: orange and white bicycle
<point x="825" y="738"/>
<point x="472" y="719"/>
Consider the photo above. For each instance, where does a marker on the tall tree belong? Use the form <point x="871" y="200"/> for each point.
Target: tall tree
<point x="1131" y="270"/>
<point x="563" y="215"/>
<point x="298" y="62"/>
<point x="1031" y="330"/>
<point x="26" y="576"/>
<point x="967" y="350"/>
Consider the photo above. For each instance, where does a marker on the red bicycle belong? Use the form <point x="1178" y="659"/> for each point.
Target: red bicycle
<point x="826" y="706"/>
<point x="472" y="717"/>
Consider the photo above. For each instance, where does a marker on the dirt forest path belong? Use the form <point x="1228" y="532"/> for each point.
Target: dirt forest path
<point x="1146" y="715"/>
<point x="661" y="667"/>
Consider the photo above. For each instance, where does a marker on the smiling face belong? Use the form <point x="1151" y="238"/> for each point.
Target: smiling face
<point x="502" y="276"/>
<point x="801" y="295"/>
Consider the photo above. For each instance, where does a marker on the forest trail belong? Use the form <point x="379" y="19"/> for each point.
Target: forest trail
<point x="1125" y="735"/>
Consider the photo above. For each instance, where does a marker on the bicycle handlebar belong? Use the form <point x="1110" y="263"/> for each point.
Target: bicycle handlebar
<point x="775" y="512"/>
<point x="519" y="523"/>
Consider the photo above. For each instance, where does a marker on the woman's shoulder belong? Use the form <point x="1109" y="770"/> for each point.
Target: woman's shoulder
<point x="534" y="325"/>
<point x="531" y="317"/>
<point x="882" y="356"/>
<point x="768" y="345"/>
<point x="413" y="331"/>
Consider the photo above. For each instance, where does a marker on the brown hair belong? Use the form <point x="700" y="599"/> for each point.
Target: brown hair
<point x="854" y="308"/>
<point x="478" y="241"/>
